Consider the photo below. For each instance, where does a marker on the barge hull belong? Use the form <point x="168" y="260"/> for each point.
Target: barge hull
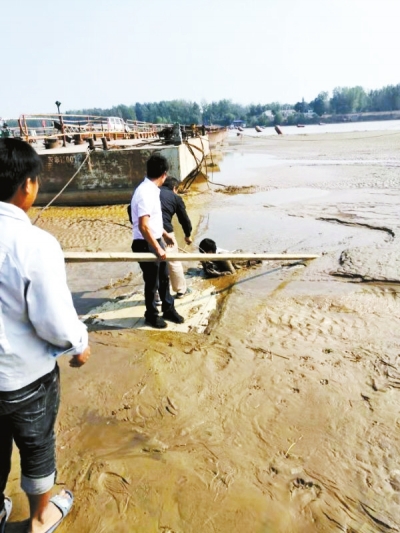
<point x="110" y="176"/>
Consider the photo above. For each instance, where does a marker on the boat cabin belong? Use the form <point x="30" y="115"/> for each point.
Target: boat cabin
<point x="114" y="124"/>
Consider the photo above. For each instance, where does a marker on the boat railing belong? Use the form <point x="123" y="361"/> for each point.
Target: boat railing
<point x="53" y="128"/>
<point x="79" y="128"/>
<point x="137" y="125"/>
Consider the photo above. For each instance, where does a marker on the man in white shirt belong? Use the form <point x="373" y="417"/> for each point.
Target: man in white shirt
<point x="147" y="233"/>
<point x="38" y="323"/>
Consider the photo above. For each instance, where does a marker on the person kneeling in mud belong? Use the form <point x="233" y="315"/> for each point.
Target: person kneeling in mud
<point x="215" y="269"/>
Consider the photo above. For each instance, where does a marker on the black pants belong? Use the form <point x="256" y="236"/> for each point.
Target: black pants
<point x="156" y="278"/>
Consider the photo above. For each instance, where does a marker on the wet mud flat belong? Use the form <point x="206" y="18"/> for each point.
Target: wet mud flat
<point x="283" y="416"/>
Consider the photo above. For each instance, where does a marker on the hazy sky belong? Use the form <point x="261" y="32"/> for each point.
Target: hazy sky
<point x="100" y="53"/>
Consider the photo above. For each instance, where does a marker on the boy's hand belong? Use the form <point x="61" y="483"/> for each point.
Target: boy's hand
<point x="80" y="359"/>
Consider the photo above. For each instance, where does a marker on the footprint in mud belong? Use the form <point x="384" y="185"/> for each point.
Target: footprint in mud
<point x="395" y="480"/>
<point x="305" y="491"/>
<point x="264" y="476"/>
<point x="154" y="446"/>
<point x="117" y="488"/>
<point x="222" y="479"/>
<point x="220" y="356"/>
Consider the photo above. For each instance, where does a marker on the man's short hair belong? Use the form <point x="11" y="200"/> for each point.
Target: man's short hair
<point x="208" y="246"/>
<point x="156" y="165"/>
<point x="171" y="183"/>
<point x="18" y="161"/>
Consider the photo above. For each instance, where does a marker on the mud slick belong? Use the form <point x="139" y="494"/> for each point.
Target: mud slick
<point x="283" y="415"/>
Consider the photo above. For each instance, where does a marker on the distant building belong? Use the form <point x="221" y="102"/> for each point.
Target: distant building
<point x="269" y="114"/>
<point x="238" y="123"/>
<point x="287" y="112"/>
<point x="284" y="113"/>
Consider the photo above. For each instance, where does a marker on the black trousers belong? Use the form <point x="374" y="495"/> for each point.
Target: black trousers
<point x="156" y="278"/>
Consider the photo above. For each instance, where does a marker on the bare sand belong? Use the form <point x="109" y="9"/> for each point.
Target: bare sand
<point x="284" y="416"/>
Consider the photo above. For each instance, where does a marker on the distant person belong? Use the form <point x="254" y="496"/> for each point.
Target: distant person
<point x="215" y="269"/>
<point x="38" y="323"/>
<point x="147" y="233"/>
<point x="172" y="204"/>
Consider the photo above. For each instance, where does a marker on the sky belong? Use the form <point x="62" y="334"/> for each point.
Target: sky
<point x="101" y="53"/>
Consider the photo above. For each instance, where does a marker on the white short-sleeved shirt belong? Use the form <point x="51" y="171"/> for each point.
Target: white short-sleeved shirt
<point x="38" y="321"/>
<point x="146" y="201"/>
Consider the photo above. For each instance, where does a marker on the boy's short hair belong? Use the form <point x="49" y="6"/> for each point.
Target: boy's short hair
<point x="208" y="246"/>
<point x="18" y="161"/>
<point x="171" y="183"/>
<point x="156" y="166"/>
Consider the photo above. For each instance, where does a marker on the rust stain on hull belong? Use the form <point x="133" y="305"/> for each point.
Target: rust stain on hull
<point x="108" y="169"/>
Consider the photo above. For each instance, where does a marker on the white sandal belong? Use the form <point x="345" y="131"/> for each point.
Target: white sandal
<point x="7" y="508"/>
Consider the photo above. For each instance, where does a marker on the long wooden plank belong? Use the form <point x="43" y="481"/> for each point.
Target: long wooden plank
<point x="102" y="257"/>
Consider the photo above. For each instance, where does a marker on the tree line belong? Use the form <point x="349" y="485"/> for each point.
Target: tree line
<point x="344" y="101"/>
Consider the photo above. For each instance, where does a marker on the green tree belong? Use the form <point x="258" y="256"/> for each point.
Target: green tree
<point x="278" y="119"/>
<point x="349" y="100"/>
<point x="320" y="105"/>
<point x="301" y="107"/>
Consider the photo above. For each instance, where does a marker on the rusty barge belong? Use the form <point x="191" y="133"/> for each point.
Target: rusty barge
<point x="91" y="160"/>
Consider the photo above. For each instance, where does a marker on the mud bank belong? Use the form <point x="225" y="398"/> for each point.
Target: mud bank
<point x="284" y="417"/>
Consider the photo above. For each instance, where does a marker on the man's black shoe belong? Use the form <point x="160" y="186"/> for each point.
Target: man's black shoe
<point x="173" y="316"/>
<point x="156" y="322"/>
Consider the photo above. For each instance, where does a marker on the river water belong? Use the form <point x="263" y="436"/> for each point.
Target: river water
<point x="346" y="127"/>
<point x="279" y="198"/>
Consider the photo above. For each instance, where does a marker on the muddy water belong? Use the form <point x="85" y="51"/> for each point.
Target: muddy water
<point x="284" y="418"/>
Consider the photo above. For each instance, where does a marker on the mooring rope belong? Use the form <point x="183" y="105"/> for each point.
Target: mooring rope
<point x="62" y="190"/>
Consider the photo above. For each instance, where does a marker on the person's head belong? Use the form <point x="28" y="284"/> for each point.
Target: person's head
<point x="157" y="165"/>
<point x="20" y="166"/>
<point x="208" y="246"/>
<point x="171" y="183"/>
